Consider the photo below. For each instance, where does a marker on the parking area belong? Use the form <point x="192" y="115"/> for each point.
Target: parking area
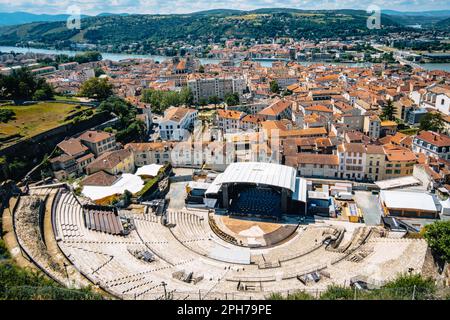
<point x="370" y="207"/>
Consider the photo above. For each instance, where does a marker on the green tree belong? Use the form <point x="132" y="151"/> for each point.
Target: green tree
<point x="6" y="115"/>
<point x="274" y="87"/>
<point x="437" y="235"/>
<point x="203" y="102"/>
<point x="96" y="88"/>
<point x="161" y="100"/>
<point x="126" y="197"/>
<point x="214" y="100"/>
<point x="186" y="96"/>
<point x="128" y="127"/>
<point x="99" y="71"/>
<point x="135" y="131"/>
<point x="154" y="98"/>
<point x="22" y="85"/>
<point x="109" y="130"/>
<point x="232" y="99"/>
<point x="118" y="106"/>
<point x="17" y="167"/>
<point x="432" y="121"/>
<point x="169" y="99"/>
<point x="388" y="111"/>
<point x="88" y="56"/>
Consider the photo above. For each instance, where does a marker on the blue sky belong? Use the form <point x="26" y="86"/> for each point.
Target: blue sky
<point x="92" y="7"/>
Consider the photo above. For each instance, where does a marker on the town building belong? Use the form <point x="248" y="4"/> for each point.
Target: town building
<point x="177" y="123"/>
<point x="432" y="144"/>
<point x="205" y="88"/>
<point x="99" y="142"/>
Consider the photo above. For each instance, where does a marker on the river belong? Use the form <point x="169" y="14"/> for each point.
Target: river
<point x="105" y="55"/>
<point x="265" y="63"/>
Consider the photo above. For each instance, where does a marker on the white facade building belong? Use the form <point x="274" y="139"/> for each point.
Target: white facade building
<point x="176" y="123"/>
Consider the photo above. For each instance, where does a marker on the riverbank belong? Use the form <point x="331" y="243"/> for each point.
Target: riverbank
<point x="264" y="62"/>
<point x="105" y="55"/>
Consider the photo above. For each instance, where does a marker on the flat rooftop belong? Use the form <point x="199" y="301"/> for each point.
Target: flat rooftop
<point x="408" y="200"/>
<point x="398" y="183"/>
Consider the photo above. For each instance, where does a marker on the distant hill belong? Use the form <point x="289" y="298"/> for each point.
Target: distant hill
<point x="217" y="12"/>
<point x="106" y="14"/>
<point x="12" y="18"/>
<point x="427" y="19"/>
<point x="435" y="13"/>
<point x="150" y="31"/>
<point x="16" y="18"/>
<point x="444" y="23"/>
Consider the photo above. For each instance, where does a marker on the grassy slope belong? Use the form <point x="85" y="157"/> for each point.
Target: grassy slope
<point x="34" y="119"/>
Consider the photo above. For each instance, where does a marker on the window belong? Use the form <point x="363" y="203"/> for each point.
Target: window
<point x="388" y="171"/>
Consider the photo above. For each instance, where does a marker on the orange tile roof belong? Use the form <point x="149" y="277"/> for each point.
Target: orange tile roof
<point x="399" y="154"/>
<point x="276" y="108"/>
<point x="319" y="108"/>
<point x="230" y="114"/>
<point x="72" y="146"/>
<point x="253" y="118"/>
<point x="307" y="158"/>
<point x="176" y="113"/>
<point x="272" y="124"/>
<point x="95" y="136"/>
<point x="109" y="159"/>
<point x="436" y="139"/>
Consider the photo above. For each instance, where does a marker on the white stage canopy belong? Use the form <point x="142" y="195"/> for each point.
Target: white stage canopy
<point x="269" y="174"/>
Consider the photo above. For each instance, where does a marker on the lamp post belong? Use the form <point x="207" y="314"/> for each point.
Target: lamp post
<point x="165" y="291"/>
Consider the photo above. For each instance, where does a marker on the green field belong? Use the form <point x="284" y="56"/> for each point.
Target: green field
<point x="67" y="98"/>
<point x="33" y="119"/>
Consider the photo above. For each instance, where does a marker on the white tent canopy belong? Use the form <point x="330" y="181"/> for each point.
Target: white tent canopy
<point x="151" y="170"/>
<point x="127" y="181"/>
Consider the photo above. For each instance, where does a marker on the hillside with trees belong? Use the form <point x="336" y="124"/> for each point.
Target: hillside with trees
<point x="155" y="31"/>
